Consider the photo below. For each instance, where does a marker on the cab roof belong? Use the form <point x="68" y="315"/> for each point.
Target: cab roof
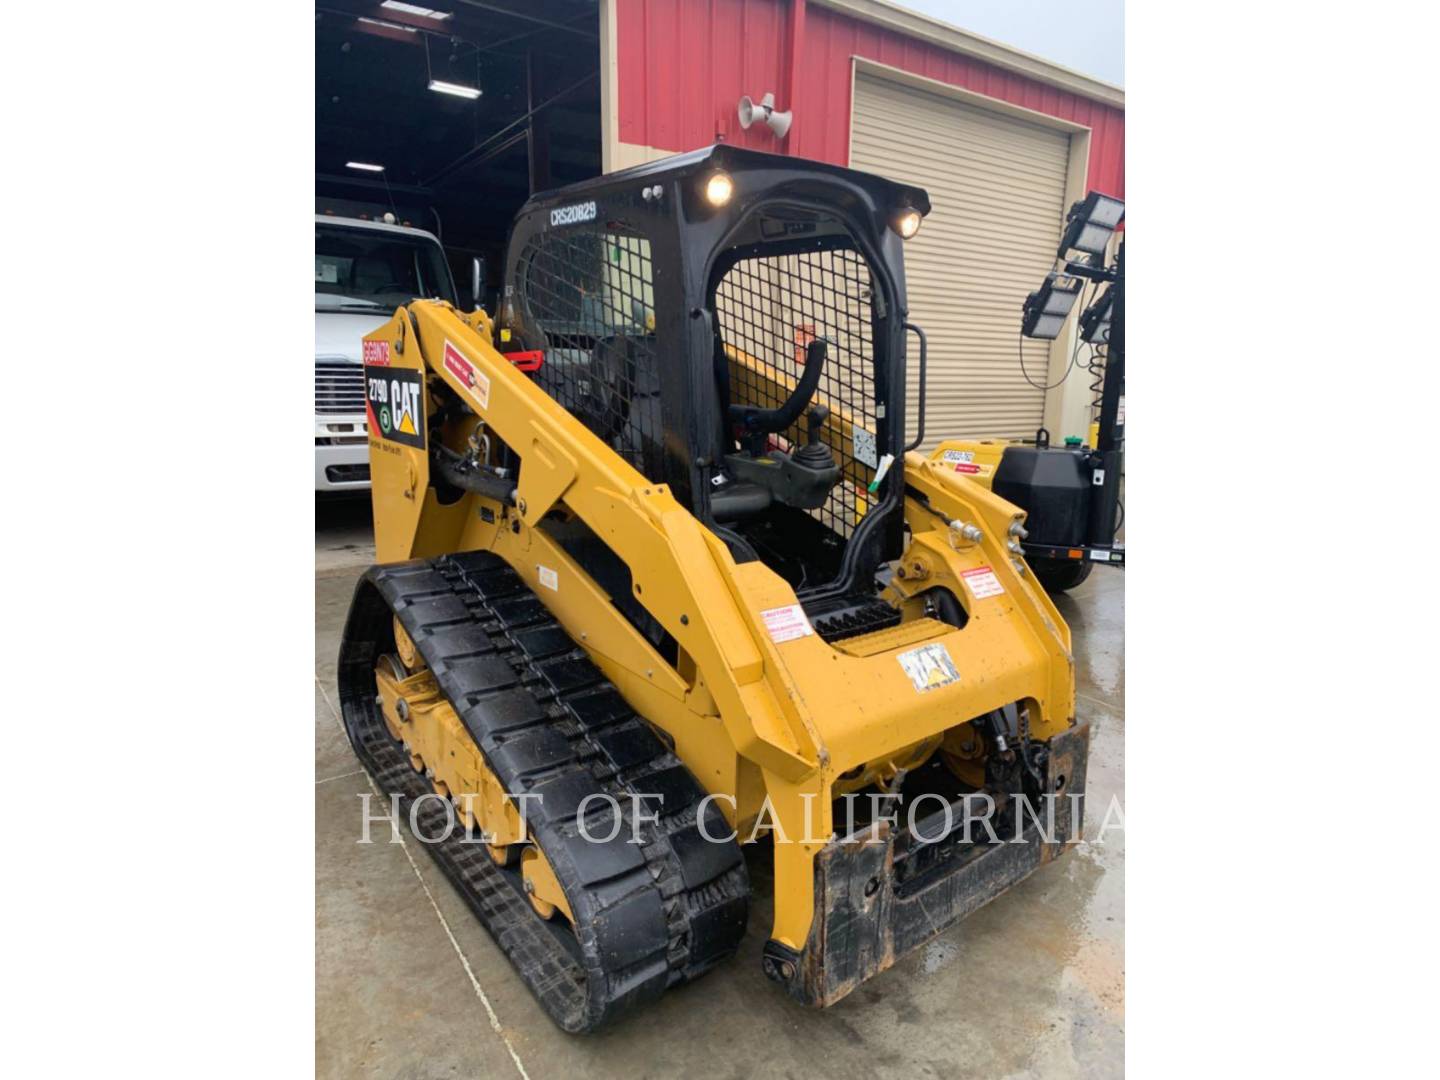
<point x="736" y="159"/>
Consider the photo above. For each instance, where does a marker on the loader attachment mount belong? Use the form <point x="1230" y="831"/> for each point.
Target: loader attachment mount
<point x="882" y="891"/>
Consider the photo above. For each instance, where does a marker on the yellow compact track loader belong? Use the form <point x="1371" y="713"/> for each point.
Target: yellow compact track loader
<point x="660" y="578"/>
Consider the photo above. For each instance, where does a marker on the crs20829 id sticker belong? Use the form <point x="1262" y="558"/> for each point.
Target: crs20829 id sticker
<point x="395" y="404"/>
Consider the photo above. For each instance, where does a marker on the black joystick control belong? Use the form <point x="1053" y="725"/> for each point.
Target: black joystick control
<point x="801" y="479"/>
<point x="815" y="454"/>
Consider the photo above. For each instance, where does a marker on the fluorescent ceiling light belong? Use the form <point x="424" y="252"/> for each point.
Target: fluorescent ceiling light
<point x="386" y="25"/>
<point x="414" y="9"/>
<point x="443" y="87"/>
<point x="364" y="166"/>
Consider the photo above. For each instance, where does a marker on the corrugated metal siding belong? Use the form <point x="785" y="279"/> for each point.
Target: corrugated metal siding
<point x="997" y="188"/>
<point x="683" y="65"/>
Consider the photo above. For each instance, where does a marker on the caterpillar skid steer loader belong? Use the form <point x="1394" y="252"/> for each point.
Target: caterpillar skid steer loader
<point x="659" y="577"/>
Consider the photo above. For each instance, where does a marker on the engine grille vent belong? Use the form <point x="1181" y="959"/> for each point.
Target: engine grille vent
<point x="339" y="387"/>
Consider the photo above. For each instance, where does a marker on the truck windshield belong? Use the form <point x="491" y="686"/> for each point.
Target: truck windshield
<point x="364" y="270"/>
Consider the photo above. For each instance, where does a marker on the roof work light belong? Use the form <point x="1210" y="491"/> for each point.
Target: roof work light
<point x="906" y="223"/>
<point x="1047" y="308"/>
<point x="718" y="189"/>
<point x="1090" y="224"/>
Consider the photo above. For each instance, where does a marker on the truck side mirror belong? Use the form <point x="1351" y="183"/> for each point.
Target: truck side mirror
<point x="477" y="281"/>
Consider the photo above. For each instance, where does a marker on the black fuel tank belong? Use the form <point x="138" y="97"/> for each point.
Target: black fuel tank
<point x="1052" y="486"/>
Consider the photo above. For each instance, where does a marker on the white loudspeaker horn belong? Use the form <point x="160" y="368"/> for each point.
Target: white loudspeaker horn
<point x="778" y="122"/>
<point x="747" y="111"/>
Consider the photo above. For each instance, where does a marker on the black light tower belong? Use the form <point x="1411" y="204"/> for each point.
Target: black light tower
<point x="1110" y="444"/>
<point x="1073" y="494"/>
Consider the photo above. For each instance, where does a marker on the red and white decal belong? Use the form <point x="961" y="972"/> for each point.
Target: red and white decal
<point x="375" y="353"/>
<point x="463" y="370"/>
<point x="966" y="467"/>
<point x="786" y="623"/>
<point x="982" y="582"/>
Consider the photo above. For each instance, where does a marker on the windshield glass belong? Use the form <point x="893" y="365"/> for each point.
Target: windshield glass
<point x="365" y="270"/>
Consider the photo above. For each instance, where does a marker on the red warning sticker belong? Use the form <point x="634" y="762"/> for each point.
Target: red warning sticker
<point x="375" y="353"/>
<point x="982" y="582"/>
<point x="787" y="623"/>
<point x="463" y="370"/>
<point x="966" y="467"/>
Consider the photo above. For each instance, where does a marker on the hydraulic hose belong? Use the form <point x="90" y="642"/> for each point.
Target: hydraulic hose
<point x="459" y="471"/>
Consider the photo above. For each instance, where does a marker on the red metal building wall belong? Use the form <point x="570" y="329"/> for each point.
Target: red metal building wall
<point x="683" y="65"/>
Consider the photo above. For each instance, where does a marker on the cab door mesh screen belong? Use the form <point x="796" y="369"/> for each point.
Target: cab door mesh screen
<point x="769" y="309"/>
<point x="590" y="295"/>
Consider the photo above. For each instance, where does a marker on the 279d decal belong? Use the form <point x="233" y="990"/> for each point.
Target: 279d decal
<point x="395" y="404"/>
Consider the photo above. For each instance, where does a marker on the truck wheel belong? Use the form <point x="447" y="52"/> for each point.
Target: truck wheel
<point x="1057" y="576"/>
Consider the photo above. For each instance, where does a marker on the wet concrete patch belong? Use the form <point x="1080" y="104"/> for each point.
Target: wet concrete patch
<point x="937" y="955"/>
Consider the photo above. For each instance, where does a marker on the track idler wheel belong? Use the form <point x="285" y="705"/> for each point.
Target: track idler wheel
<point x="542" y="887"/>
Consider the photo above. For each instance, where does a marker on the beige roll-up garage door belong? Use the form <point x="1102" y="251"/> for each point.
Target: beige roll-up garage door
<point x="997" y="191"/>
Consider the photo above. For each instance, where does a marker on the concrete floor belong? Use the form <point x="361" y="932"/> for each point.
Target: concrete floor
<point x="408" y="984"/>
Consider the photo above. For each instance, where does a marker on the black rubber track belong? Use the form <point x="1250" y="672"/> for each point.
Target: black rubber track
<point x="647" y="915"/>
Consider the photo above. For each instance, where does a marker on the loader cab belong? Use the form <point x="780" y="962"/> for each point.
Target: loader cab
<point x="732" y="323"/>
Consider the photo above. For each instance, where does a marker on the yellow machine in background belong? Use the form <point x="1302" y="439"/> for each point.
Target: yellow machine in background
<point x="630" y="615"/>
<point x="975" y="459"/>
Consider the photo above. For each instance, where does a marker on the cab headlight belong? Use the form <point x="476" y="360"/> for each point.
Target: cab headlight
<point x="718" y="189"/>
<point x="906" y="223"/>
